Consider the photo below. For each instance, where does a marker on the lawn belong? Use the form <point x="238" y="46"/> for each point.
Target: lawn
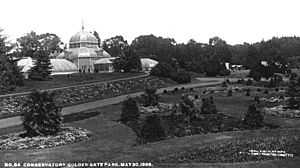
<point x="114" y="142"/>
<point x="74" y="79"/>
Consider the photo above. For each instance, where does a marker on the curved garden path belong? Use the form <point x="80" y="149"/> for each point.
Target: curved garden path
<point x="12" y="121"/>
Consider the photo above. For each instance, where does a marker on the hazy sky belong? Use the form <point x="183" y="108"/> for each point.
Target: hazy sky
<point x="235" y="21"/>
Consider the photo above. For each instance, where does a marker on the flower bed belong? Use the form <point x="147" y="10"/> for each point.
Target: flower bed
<point x="162" y="107"/>
<point x="67" y="135"/>
<point x="85" y="93"/>
<point x="258" y="149"/>
<point x="280" y="111"/>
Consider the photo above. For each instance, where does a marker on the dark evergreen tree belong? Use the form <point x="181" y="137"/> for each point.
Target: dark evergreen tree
<point x="253" y="118"/>
<point x="153" y="129"/>
<point x="130" y="110"/>
<point x="42" y="66"/>
<point x="10" y="73"/>
<point x="41" y="114"/>
<point x="208" y="106"/>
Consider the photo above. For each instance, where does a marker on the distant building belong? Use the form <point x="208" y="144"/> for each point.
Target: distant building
<point x="85" y="53"/>
<point x="148" y="64"/>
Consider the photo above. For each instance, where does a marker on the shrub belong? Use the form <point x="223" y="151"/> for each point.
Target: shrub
<point x="228" y="81"/>
<point x="176" y="89"/>
<point x="248" y="92"/>
<point x="229" y="93"/>
<point x="181" y="77"/>
<point x="256" y="99"/>
<point x="276" y="89"/>
<point x="294" y="93"/>
<point x="266" y="92"/>
<point x="130" y="110"/>
<point x="258" y="90"/>
<point x="249" y="82"/>
<point x="257" y="76"/>
<point x="165" y="91"/>
<point x="191" y="89"/>
<point x="196" y="96"/>
<point x="212" y="92"/>
<point x="41" y="115"/>
<point x="208" y="106"/>
<point x="150" y="98"/>
<point x="224" y="72"/>
<point x="162" y="69"/>
<point x="182" y="88"/>
<point x="152" y="129"/>
<point x="188" y="107"/>
<point x="224" y="84"/>
<point x="293" y="76"/>
<point x="253" y="118"/>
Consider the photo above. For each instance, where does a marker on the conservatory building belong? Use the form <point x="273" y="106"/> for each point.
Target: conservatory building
<point x="85" y="53"/>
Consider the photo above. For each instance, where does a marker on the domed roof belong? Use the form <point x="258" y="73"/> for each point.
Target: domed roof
<point x="83" y="36"/>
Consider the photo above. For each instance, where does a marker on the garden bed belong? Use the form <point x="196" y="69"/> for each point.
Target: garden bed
<point x="78" y="94"/>
<point x="259" y="149"/>
<point x="66" y="135"/>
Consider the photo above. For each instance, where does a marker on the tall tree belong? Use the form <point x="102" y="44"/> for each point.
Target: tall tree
<point x="42" y="66"/>
<point x="98" y="38"/>
<point x="32" y="42"/>
<point x="128" y="61"/>
<point x="10" y="74"/>
<point x="114" y="45"/>
<point x="221" y="49"/>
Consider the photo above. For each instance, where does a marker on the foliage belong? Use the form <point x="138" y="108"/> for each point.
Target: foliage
<point x="115" y="45"/>
<point x="98" y="38"/>
<point x="188" y="108"/>
<point x="42" y="116"/>
<point x="257" y="76"/>
<point x="11" y="74"/>
<point x="236" y="151"/>
<point x="42" y="66"/>
<point x="248" y="92"/>
<point x="294" y="93"/>
<point x="253" y="118"/>
<point x="229" y="93"/>
<point x="32" y="42"/>
<point x="256" y="99"/>
<point x="150" y="98"/>
<point x="128" y="61"/>
<point x="130" y="110"/>
<point x="224" y="72"/>
<point x="181" y="76"/>
<point x="162" y="69"/>
<point x="153" y="129"/>
<point x="208" y="106"/>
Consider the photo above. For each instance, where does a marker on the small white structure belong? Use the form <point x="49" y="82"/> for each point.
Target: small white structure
<point x="148" y="64"/>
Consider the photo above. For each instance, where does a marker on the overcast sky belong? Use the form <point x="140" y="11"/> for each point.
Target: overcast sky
<point x="235" y="21"/>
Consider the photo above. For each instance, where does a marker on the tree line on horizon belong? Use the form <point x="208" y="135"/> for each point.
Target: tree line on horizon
<point x="209" y="58"/>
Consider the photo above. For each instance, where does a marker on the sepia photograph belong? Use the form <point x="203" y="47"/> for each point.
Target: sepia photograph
<point x="150" y="83"/>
